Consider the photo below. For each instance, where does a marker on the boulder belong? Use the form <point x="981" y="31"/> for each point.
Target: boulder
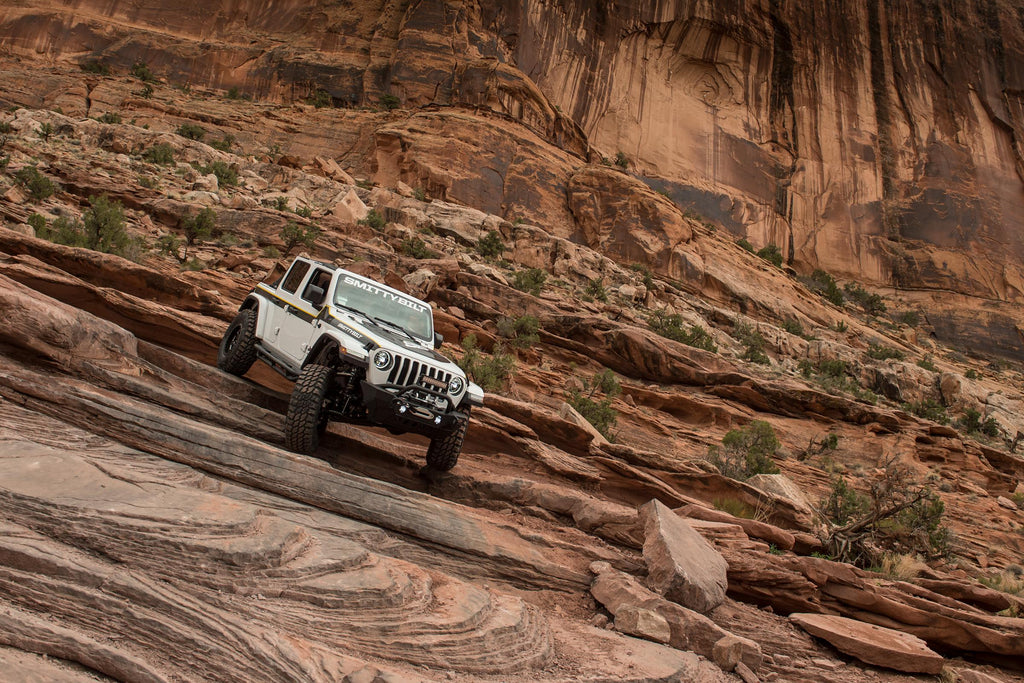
<point x="688" y="630"/>
<point x="681" y="565"/>
<point x="350" y="208"/>
<point x="643" y="623"/>
<point x="781" y="486"/>
<point x="570" y="414"/>
<point x="872" y="644"/>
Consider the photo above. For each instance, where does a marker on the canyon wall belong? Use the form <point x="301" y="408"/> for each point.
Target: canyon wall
<point x="879" y="141"/>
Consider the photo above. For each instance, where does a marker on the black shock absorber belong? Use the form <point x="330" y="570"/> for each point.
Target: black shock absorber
<point x="351" y="399"/>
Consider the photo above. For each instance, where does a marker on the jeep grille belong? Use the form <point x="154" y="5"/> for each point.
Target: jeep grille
<point x="408" y="372"/>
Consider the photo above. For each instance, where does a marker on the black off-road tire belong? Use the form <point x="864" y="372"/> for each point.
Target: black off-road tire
<point x="306" y="421"/>
<point x="237" y="350"/>
<point x="443" y="451"/>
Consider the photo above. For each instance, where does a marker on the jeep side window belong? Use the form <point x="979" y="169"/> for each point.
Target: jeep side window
<point x="295" y="275"/>
<point x="317" y="288"/>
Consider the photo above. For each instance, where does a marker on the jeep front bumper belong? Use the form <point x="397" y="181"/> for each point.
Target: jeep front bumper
<point x="400" y="408"/>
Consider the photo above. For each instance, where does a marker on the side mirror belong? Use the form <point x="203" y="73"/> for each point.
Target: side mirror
<point x="438" y="340"/>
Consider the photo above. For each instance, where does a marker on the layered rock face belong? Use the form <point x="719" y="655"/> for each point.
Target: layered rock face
<point x="878" y="141"/>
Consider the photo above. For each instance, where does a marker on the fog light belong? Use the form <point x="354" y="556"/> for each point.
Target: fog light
<point x="402" y="408"/>
<point x="437" y="420"/>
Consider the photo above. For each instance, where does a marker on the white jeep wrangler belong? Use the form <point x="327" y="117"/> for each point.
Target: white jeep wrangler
<point x="358" y="351"/>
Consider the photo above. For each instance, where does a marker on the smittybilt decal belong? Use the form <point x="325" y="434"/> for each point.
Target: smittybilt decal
<point x="382" y="292"/>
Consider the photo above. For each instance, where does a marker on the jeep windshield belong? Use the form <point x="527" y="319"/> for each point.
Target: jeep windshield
<point x="385" y="306"/>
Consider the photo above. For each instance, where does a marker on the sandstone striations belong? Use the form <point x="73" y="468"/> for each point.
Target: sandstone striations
<point x="565" y="182"/>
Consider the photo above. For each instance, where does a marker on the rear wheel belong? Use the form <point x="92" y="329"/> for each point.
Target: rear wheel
<point x="443" y="451"/>
<point x="306" y="421"/>
<point x="237" y="350"/>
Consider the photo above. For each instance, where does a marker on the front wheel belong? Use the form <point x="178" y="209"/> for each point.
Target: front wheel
<point x="237" y="350"/>
<point x="443" y="451"/>
<point x="306" y="421"/>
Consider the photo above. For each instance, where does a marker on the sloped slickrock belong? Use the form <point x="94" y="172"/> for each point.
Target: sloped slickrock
<point x="218" y="588"/>
<point x="681" y="565"/>
<point x="872" y="644"/>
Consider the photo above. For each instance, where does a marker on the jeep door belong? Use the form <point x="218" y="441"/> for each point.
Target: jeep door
<point x="298" y="331"/>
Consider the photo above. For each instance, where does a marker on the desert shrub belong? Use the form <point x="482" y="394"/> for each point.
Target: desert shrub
<point x="928" y="409"/>
<point x="390" y="102"/>
<point x="191" y="131"/>
<point x="94" y="66"/>
<point x="911" y="318"/>
<point x="522" y="332"/>
<point x="320" y="99"/>
<point x="270" y="251"/>
<point x="825" y="285"/>
<point x="227" y="175"/>
<point x="840" y="326"/>
<point x="148" y="182"/>
<point x="45" y="131"/>
<point x="530" y="280"/>
<point x="793" y="326"/>
<point x="772" y="254"/>
<point x="141" y="71"/>
<point x="595" y="290"/>
<point x="492" y="372"/>
<point x="4" y="160"/>
<point x="109" y="118"/>
<point x="293" y="235"/>
<point x="102" y="228"/>
<point x="753" y="344"/>
<point x="746" y="452"/>
<point x="419" y="194"/>
<point x="594" y="402"/>
<point x="644" y="272"/>
<point x="833" y="367"/>
<point x="197" y="228"/>
<point x="417" y="248"/>
<point x="39" y="187"/>
<point x="670" y="326"/>
<point x="146" y="92"/>
<point x="280" y="203"/>
<point x="896" y="515"/>
<point x="880" y="352"/>
<point x="38" y="223"/>
<point x="927" y="363"/>
<point x="871" y="303"/>
<point x="621" y="160"/>
<point x="161" y="153"/>
<point x="743" y="242"/>
<point x="971" y="374"/>
<point x="235" y="94"/>
<point x="374" y="219"/>
<point x="169" y="244"/>
<point x="491" y="245"/>
<point x="735" y="507"/>
<point x="972" y="423"/>
<point x="225" y="144"/>
<point x="304" y="211"/>
<point x="193" y="264"/>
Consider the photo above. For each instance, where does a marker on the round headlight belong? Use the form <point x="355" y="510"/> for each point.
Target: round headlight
<point x="382" y="359"/>
<point x="455" y="385"/>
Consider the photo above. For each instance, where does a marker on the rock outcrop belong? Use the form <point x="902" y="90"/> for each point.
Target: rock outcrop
<point x="681" y="565"/>
<point x="872" y="644"/>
